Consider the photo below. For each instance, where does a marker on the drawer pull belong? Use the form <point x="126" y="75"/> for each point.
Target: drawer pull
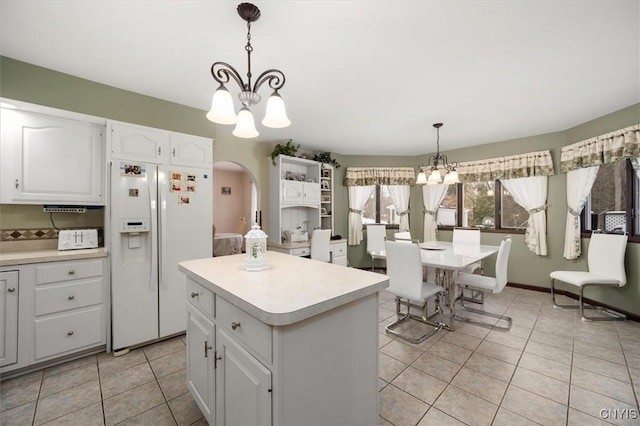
<point x="71" y="272"/>
<point x="69" y="333"/>
<point x="194" y="294"/>
<point x="11" y="289"/>
<point x="71" y="297"/>
<point x="235" y="325"/>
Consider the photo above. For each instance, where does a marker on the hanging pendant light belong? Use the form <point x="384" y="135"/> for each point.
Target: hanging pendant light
<point x="432" y="174"/>
<point x="222" y="111"/>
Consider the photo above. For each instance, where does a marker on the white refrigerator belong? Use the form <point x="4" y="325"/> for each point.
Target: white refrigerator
<point x="160" y="215"/>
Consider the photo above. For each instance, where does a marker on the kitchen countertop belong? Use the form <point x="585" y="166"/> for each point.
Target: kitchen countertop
<point x="300" y="244"/>
<point x="291" y="290"/>
<point x="38" y="256"/>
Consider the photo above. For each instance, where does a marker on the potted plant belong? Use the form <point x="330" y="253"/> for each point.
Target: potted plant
<point x="286" y="149"/>
<point x="325" y="157"/>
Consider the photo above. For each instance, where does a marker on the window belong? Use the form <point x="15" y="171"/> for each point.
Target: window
<point x="477" y="206"/>
<point x="611" y="203"/>
<point x="380" y="209"/>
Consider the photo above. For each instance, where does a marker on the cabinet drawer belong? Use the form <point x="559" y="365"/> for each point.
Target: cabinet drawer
<point x="200" y="297"/>
<point x="339" y="249"/>
<point x="303" y="251"/>
<point x="68" y="332"/>
<point x="255" y="334"/>
<point x="65" y="271"/>
<point x="77" y="294"/>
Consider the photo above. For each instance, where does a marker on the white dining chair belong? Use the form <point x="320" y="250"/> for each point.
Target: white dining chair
<point x="487" y="285"/>
<point x="404" y="268"/>
<point x="376" y="235"/>
<point x="605" y="261"/>
<point x="320" y="240"/>
<point x="468" y="236"/>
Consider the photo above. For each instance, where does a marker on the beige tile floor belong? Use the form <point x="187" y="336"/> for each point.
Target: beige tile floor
<point x="551" y="368"/>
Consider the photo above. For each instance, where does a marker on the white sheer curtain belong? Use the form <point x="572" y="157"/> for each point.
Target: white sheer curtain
<point x="400" y="195"/>
<point x="432" y="196"/>
<point x="358" y="196"/>
<point x="579" y="183"/>
<point x="635" y="162"/>
<point x="531" y="194"/>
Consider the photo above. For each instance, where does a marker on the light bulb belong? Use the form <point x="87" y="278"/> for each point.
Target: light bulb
<point x="245" y="128"/>
<point x="221" y="111"/>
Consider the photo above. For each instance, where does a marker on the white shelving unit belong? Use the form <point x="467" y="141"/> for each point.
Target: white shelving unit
<point x="326" y="196"/>
<point x="295" y="196"/>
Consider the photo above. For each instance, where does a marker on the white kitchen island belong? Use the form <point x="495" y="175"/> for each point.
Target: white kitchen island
<point x="296" y="344"/>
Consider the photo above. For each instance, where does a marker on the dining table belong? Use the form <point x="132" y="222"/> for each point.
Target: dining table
<point x="448" y="259"/>
<point x="227" y="243"/>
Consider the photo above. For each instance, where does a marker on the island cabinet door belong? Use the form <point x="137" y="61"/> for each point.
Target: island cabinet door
<point x="243" y="385"/>
<point x="200" y="361"/>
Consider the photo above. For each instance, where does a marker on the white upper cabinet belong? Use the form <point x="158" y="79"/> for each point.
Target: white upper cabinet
<point x="50" y="160"/>
<point x="138" y="143"/>
<point x="190" y="151"/>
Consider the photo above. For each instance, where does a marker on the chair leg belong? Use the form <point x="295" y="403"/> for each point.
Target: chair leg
<point x="553" y="298"/>
<point x="613" y="315"/>
<point x="402" y="317"/>
<point x="508" y="320"/>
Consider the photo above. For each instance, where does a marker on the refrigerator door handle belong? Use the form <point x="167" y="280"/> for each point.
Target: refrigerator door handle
<point x="162" y="226"/>
<point x="153" y="282"/>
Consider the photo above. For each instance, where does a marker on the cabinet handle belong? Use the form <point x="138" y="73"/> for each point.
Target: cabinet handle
<point x="216" y="358"/>
<point x="173" y="152"/>
<point x="71" y="272"/>
<point x="159" y="150"/>
<point x="71" y="297"/>
<point x="194" y="294"/>
<point x="235" y="325"/>
<point x="11" y="289"/>
<point x="69" y="333"/>
<point x="206" y="348"/>
<point x="17" y="184"/>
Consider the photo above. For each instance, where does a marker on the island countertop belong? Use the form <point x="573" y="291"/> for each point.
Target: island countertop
<point x="291" y="290"/>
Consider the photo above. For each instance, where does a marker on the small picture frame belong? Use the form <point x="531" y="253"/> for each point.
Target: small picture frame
<point x="326" y="198"/>
<point x="324" y="184"/>
<point x="290" y="176"/>
<point x="225" y="190"/>
<point x="325" y="173"/>
<point x="323" y="211"/>
<point x="302" y="177"/>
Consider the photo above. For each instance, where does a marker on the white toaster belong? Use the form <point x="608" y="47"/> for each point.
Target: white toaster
<point x="73" y="239"/>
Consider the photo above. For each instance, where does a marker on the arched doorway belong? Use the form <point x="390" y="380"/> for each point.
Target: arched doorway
<point x="235" y="196"/>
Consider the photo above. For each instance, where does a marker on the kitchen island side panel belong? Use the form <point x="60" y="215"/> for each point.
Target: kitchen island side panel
<point x="326" y="367"/>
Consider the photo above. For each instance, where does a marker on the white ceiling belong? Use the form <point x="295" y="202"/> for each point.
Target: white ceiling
<point x="362" y="77"/>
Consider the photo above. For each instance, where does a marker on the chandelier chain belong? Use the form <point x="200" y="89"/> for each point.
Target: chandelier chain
<point x="249" y="49"/>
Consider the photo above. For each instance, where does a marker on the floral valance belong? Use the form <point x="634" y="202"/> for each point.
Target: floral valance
<point x="515" y="166"/>
<point x="364" y="176"/>
<point x="604" y="149"/>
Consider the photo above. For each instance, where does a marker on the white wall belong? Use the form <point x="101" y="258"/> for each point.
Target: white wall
<point x="227" y="209"/>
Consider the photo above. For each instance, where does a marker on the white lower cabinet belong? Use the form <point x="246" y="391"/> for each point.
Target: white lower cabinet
<point x="9" y="317"/>
<point x="229" y="384"/>
<point x="61" y="310"/>
<point x="200" y="362"/>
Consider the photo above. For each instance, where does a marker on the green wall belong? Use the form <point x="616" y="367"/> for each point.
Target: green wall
<point x="29" y="83"/>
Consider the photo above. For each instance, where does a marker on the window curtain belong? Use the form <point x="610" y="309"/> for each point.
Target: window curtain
<point x="364" y="176"/>
<point x="603" y="149"/>
<point x="358" y="196"/>
<point x="579" y="183"/>
<point x="635" y="162"/>
<point x="400" y="195"/>
<point x="432" y="196"/>
<point x="531" y="194"/>
<point x="537" y="163"/>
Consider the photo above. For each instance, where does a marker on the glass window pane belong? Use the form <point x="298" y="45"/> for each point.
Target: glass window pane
<point x="608" y="199"/>
<point x="512" y="214"/>
<point x="479" y="203"/>
<point x="447" y="212"/>
<point x="369" y="210"/>
<point x="387" y="209"/>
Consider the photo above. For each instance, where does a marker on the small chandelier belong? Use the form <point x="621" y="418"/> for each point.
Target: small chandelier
<point x="435" y="174"/>
<point x="222" y="111"/>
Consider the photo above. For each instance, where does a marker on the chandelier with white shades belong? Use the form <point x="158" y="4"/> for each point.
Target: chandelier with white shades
<point x="222" y="110"/>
